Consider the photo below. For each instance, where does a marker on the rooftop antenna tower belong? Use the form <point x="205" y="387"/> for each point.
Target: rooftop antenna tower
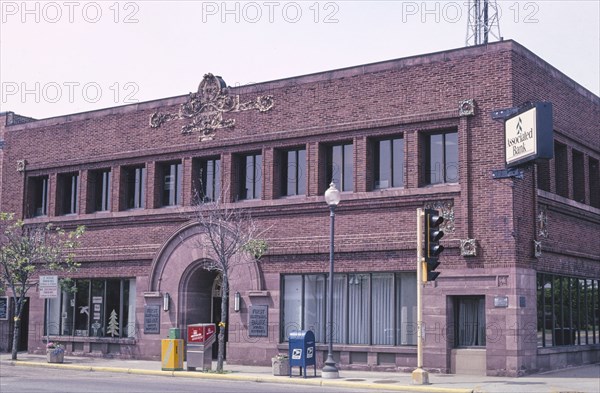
<point x="483" y="21"/>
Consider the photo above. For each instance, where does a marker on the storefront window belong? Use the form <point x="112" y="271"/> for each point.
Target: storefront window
<point x="368" y="308"/>
<point x="97" y="308"/>
<point x="568" y="311"/>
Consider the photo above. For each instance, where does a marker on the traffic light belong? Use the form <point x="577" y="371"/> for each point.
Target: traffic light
<point x="432" y="248"/>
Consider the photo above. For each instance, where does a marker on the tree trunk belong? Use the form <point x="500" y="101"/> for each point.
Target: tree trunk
<point x="17" y="328"/>
<point x="224" y="314"/>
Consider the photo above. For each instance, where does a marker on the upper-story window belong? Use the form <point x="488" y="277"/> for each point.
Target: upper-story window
<point x="100" y="189"/>
<point x="68" y="193"/>
<point x="208" y="179"/>
<point x="171" y="184"/>
<point x="578" y="176"/>
<point x="389" y="163"/>
<point x="250" y="181"/>
<point x="38" y="196"/>
<point x="134" y="185"/>
<point x="441" y="163"/>
<point x="561" y="169"/>
<point x="594" y="182"/>
<point x="340" y="166"/>
<point x="293" y="172"/>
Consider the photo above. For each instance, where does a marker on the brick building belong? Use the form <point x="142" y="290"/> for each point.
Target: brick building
<point x="520" y="276"/>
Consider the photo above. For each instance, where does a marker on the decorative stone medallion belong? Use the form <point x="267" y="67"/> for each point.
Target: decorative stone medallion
<point x="468" y="248"/>
<point x="21" y="165"/>
<point x="206" y="107"/>
<point x="466" y="108"/>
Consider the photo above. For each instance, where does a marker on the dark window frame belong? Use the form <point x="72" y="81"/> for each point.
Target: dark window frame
<point x="292" y="172"/>
<point x="207" y="182"/>
<point x="135" y="183"/>
<point x="344" y="178"/>
<point x="101" y="190"/>
<point x="255" y="180"/>
<point x="395" y="164"/>
<point x="171" y="183"/>
<point x="38" y="189"/>
<point x="445" y="163"/>
<point x="68" y="193"/>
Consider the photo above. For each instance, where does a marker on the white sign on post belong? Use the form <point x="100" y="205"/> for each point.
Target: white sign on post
<point x="48" y="287"/>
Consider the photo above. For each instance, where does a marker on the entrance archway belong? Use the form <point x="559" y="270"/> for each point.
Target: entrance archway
<point x="180" y="270"/>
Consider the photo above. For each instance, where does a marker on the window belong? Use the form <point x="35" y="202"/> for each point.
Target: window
<point x="578" y="177"/>
<point x="561" y="169"/>
<point x="38" y="196"/>
<point x="208" y="179"/>
<point x="96" y="308"/>
<point x="568" y="310"/>
<point x="100" y="189"/>
<point x="251" y="176"/>
<point x="543" y="175"/>
<point x="441" y="164"/>
<point x="389" y="163"/>
<point x="135" y="187"/>
<point x="171" y="183"/>
<point x="293" y="175"/>
<point x="594" y="182"/>
<point x="340" y="166"/>
<point x="470" y="321"/>
<point x="68" y="193"/>
<point x="368" y="308"/>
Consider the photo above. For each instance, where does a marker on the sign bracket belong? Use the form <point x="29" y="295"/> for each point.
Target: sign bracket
<point x="514" y="173"/>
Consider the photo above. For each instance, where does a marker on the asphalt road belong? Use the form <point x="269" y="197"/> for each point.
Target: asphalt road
<point x="47" y="380"/>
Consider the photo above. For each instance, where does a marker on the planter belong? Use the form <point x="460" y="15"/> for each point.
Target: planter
<point x="55" y="356"/>
<point x="281" y="366"/>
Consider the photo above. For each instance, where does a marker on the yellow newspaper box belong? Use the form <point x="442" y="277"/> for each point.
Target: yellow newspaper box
<point x="172" y="354"/>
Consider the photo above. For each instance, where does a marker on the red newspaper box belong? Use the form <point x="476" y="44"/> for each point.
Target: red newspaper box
<point x="200" y="338"/>
<point x="201" y="333"/>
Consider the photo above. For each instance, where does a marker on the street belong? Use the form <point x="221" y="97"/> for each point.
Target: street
<point x="40" y="380"/>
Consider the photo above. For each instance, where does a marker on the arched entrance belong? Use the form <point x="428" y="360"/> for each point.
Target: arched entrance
<point x="180" y="270"/>
<point x="200" y="297"/>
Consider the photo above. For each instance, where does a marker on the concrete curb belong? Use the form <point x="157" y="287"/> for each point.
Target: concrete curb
<point x="248" y="378"/>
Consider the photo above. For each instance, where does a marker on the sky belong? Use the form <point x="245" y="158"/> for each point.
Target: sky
<point x="62" y="57"/>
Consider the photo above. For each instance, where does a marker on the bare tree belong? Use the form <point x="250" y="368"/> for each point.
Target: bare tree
<point x="230" y="232"/>
<point x="27" y="250"/>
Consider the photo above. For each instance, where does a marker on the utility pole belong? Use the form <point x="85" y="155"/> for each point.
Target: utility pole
<point x="420" y="376"/>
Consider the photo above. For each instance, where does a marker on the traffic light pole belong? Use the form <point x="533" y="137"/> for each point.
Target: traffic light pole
<point x="420" y="376"/>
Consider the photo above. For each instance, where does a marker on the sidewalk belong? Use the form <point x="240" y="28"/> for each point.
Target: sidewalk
<point x="579" y="379"/>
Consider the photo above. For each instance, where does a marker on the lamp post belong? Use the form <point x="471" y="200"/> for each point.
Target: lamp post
<point x="330" y="371"/>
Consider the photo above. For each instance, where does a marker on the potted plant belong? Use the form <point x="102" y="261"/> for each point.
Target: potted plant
<point x="55" y="352"/>
<point x="281" y="364"/>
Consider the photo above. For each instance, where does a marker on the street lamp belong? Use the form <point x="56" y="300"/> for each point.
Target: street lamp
<point x="330" y="371"/>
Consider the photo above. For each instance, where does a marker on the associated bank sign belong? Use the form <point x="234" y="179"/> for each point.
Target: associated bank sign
<point x="529" y="135"/>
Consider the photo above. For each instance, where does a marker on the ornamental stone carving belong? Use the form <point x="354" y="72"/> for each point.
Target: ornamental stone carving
<point x="502" y="281"/>
<point x="206" y="107"/>
<point x="537" y="249"/>
<point x="468" y="248"/>
<point x="446" y="209"/>
<point x="21" y="165"/>
<point x="466" y="108"/>
<point x="542" y="223"/>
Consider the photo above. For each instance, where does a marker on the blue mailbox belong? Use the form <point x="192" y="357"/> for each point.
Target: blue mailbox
<point x="301" y="351"/>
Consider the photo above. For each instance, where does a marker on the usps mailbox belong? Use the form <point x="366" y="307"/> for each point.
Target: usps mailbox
<point x="200" y="339"/>
<point x="301" y="351"/>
